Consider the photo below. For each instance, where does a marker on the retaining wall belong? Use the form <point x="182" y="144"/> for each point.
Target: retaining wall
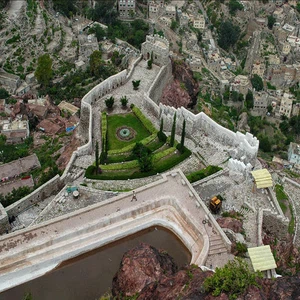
<point x="44" y="191"/>
<point x="4" y="224"/>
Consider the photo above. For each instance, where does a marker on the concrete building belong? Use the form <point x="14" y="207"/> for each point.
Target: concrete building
<point x="16" y="131"/>
<point x="259" y="69"/>
<point x="126" y="8"/>
<point x="294" y="153"/>
<point x="170" y="11"/>
<point x="9" y="81"/>
<point x="199" y="22"/>
<point x="241" y="84"/>
<point x="274" y="59"/>
<point x="72" y="109"/>
<point x="261" y="102"/>
<point x="157" y="45"/>
<point x="286" y="105"/>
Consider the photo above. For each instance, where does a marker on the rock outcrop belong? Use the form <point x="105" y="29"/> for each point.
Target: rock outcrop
<point x="231" y="223"/>
<point x="183" y="90"/>
<point x="151" y="274"/>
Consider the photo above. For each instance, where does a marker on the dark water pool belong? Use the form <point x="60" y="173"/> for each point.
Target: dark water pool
<point x="90" y="275"/>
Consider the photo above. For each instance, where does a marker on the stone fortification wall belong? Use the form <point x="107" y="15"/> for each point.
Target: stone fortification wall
<point x="157" y="45"/>
<point x="246" y="144"/>
<point x="272" y="223"/>
<point x="44" y="191"/>
<point x="4" y="224"/>
<point x="161" y="80"/>
<point x="152" y="96"/>
<point x="88" y="100"/>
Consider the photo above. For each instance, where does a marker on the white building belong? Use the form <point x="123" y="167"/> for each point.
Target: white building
<point x="199" y="22"/>
<point x="294" y="153"/>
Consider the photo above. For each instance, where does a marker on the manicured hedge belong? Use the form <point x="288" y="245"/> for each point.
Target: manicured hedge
<point x="159" y="155"/>
<point x="159" y="167"/>
<point x="104" y="131"/>
<point x="121" y="166"/>
<point x="198" y="175"/>
<point x="146" y="122"/>
<point x="129" y="148"/>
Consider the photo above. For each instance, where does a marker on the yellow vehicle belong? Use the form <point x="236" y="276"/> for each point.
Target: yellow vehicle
<point x="215" y="205"/>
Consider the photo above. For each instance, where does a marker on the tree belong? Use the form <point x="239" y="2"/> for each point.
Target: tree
<point x="298" y="7"/>
<point x="161" y="136"/>
<point x="136" y="84"/>
<point x="43" y="72"/>
<point x="96" y="63"/>
<point x="234" y="5"/>
<point x="233" y="279"/>
<point x="174" y="24"/>
<point x="124" y="101"/>
<point x="271" y="21"/>
<point x="257" y="82"/>
<point x="182" y="137"/>
<point x="66" y="7"/>
<point x="264" y="144"/>
<point x="3" y="93"/>
<point x="249" y="100"/>
<point x="109" y="102"/>
<point x="234" y="96"/>
<point x="97" y="157"/>
<point x="228" y="34"/>
<point x="172" y="139"/>
<point x="144" y="157"/>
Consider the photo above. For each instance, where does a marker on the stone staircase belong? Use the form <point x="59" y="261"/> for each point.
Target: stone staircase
<point x="216" y="245"/>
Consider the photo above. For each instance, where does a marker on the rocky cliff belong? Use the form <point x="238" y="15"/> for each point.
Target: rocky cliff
<point x="146" y="274"/>
<point x="183" y="90"/>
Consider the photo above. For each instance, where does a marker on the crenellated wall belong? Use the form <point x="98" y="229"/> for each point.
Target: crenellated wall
<point x="246" y="144"/>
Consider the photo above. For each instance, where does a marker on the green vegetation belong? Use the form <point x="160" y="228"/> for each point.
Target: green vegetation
<point x="66" y="7"/>
<point x="3" y="93"/>
<point x="271" y="21"/>
<point x="15" y="195"/>
<point x="228" y="34"/>
<point x="124" y="101"/>
<point x="43" y="72"/>
<point x="233" y="279"/>
<point x="109" y="102"/>
<point x="234" y="6"/>
<point x="281" y="197"/>
<point x="198" y="175"/>
<point x="241" y="249"/>
<point x="146" y="155"/>
<point x="117" y="121"/>
<point x="136" y="84"/>
<point x="291" y="228"/>
<point x="257" y="82"/>
<point x="146" y="122"/>
<point x="172" y="139"/>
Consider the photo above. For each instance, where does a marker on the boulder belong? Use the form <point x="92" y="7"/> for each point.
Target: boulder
<point x="231" y="223"/>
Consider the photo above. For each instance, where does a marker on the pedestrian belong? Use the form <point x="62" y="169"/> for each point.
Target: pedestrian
<point x="133" y="196"/>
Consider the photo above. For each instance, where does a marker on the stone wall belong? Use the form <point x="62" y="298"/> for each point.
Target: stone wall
<point x="274" y="224"/>
<point x="161" y="80"/>
<point x="4" y="224"/>
<point x="47" y="189"/>
<point x="246" y="144"/>
<point x="157" y="45"/>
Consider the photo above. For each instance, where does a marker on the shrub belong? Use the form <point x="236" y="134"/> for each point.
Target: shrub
<point x="198" y="175"/>
<point x="129" y="148"/>
<point x="136" y="84"/>
<point x="124" y="101"/>
<point x="241" y="249"/>
<point x="172" y="139"/>
<point x="109" y="102"/>
<point x="233" y="279"/>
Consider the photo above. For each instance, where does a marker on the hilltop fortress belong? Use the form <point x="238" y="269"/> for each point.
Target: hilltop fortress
<point x="242" y="148"/>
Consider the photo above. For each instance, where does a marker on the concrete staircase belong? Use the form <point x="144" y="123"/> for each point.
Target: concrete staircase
<point x="216" y="245"/>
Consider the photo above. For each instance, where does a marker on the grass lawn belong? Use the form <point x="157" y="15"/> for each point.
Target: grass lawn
<point x="130" y="120"/>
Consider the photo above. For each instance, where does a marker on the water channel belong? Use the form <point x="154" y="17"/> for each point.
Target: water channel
<point x="90" y="275"/>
